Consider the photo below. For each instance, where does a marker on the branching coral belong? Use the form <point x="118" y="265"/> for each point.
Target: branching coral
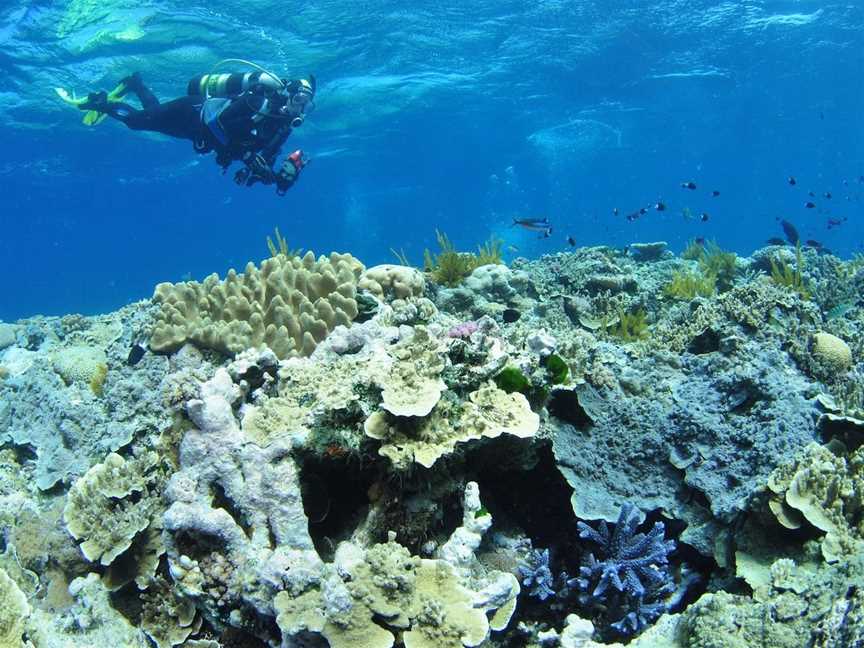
<point x="631" y="578"/>
<point x="536" y="575"/>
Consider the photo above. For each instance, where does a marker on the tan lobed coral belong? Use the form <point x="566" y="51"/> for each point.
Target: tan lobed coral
<point x="111" y="504"/>
<point x="289" y="304"/>
<point x="389" y="282"/>
<point x="488" y="412"/>
<point x="828" y="491"/>
<point x="412" y="385"/>
<point x="387" y="590"/>
<point x="14" y="611"/>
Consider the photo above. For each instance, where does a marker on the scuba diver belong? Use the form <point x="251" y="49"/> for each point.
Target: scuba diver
<point x="242" y="117"/>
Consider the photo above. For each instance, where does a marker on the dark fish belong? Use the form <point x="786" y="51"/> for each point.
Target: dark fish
<point x="792" y="180"/>
<point x="813" y="244"/>
<point x="811" y="194"/>
<point x="688" y="185"/>
<point x="135" y="354"/>
<point x="715" y="193"/>
<point x="660" y="206"/>
<point x="571" y="241"/>
<point x="703" y="217"/>
<point x="809" y="204"/>
<point x="700" y="241"/>
<point x="790" y="232"/>
<point x="633" y="216"/>
<point x="827" y="194"/>
<point x="775" y="241"/>
<point x="643" y="211"/>
<point x="835" y="222"/>
<point x="543" y="222"/>
<point x="510" y="315"/>
<point x="615" y="211"/>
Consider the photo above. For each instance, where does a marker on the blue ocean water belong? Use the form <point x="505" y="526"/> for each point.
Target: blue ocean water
<point x="450" y="116"/>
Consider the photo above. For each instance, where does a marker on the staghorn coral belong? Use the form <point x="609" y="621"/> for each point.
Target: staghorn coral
<point x="289" y="304"/>
<point x="630" y="581"/>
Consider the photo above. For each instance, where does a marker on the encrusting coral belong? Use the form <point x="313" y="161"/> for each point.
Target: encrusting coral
<point x="289" y="303"/>
<point x="14" y="611"/>
<point x="111" y="504"/>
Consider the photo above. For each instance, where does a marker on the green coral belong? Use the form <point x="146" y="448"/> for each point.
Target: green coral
<point x="511" y="379"/>
<point x="694" y="250"/>
<point x="686" y="285"/>
<point x="791" y="277"/>
<point x="630" y="327"/>
<point x="449" y="267"/>
<point x="718" y="264"/>
<point x="280" y="246"/>
<point x="556" y="369"/>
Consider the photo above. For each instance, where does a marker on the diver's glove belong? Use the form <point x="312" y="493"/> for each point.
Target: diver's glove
<point x="290" y="171"/>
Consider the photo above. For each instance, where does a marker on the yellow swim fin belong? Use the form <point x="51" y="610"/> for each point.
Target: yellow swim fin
<point x="92" y="117"/>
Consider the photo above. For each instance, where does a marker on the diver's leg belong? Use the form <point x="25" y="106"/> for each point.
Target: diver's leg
<point x="179" y="118"/>
<point x="134" y="83"/>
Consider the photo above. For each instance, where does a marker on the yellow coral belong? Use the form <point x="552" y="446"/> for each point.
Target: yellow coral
<point x="833" y="352"/>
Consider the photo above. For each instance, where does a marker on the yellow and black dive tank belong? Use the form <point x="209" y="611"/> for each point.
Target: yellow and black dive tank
<point x="228" y="85"/>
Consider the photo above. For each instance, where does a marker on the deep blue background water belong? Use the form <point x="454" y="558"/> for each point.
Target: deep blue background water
<point x="442" y="117"/>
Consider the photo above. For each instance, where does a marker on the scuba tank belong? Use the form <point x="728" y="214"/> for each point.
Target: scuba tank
<point x="227" y="85"/>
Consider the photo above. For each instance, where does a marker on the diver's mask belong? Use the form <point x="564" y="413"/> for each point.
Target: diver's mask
<point x="300" y="100"/>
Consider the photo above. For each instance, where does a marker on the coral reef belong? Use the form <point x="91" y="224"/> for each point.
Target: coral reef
<point x="302" y="461"/>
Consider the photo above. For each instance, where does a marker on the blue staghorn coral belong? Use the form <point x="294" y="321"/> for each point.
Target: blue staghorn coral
<point x="630" y="580"/>
<point x="536" y="574"/>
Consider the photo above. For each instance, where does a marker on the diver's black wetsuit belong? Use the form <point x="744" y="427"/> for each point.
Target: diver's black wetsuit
<point x="242" y="132"/>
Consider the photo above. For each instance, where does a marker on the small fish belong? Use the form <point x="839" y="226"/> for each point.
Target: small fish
<point x="703" y="217"/>
<point x="615" y="211"/>
<point x="813" y="244"/>
<point x="571" y="241"/>
<point x="809" y="205"/>
<point x="643" y="211"/>
<point x="715" y="193"/>
<point x="535" y="225"/>
<point x="700" y="240"/>
<point x="792" y="181"/>
<point x="835" y="222"/>
<point x="790" y="232"/>
<point x="135" y="354"/>
<point x="827" y="195"/>
<point x="811" y="194"/>
<point x="774" y="240"/>
<point x="660" y="206"/>
<point x="633" y="216"/>
<point x="688" y="185"/>
<point x="539" y="222"/>
<point x="512" y="249"/>
<point x="686" y="213"/>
